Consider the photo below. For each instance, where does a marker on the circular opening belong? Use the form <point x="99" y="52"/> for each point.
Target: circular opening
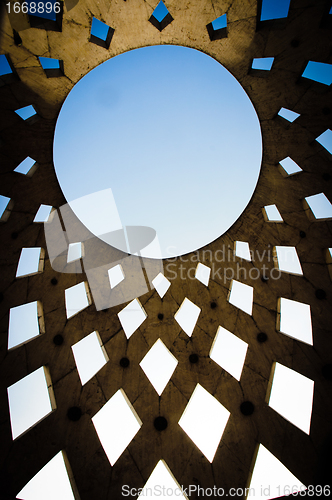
<point x="193" y="358"/>
<point x="303" y="234"/>
<point x="320" y="294"/>
<point x="74" y="413"/>
<point x="160" y="316"/>
<point x="327" y="371"/>
<point x="162" y="138"/>
<point x="213" y="305"/>
<point x="247" y="408"/>
<point x="58" y="339"/>
<point x="54" y="281"/>
<point x="261" y="337"/>
<point x="160" y="423"/>
<point x="124" y="362"/>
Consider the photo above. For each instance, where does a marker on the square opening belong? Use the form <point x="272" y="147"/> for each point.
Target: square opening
<point x="320" y="207"/>
<point x="218" y="28"/>
<point x="229" y="352"/>
<point x="31" y="400"/>
<point x="262" y="63"/>
<point x="77" y="298"/>
<point x="75" y="251"/>
<point x="101" y="34"/>
<point x="272" y="214"/>
<point x="52" y="67"/>
<point x="187" y="316"/>
<point x="47" y="16"/>
<point x="43" y="213"/>
<point x="28" y="114"/>
<point x="287" y="260"/>
<point x="325" y="140"/>
<point x="116" y="424"/>
<point x="90" y="356"/>
<point x="131" y="317"/>
<point x="294" y="320"/>
<point x="242" y="250"/>
<point x="241" y="296"/>
<point x="291" y="395"/>
<point x="288" y="114"/>
<point x="202" y="273"/>
<point x="31" y="262"/>
<point x="26" y="322"/>
<point x="158" y="365"/>
<point x="289" y="167"/>
<point x="27" y="167"/>
<point x="318" y="72"/>
<point x="204" y="420"/>
<point x="116" y="275"/>
<point x="270" y="9"/>
<point x="160" y="17"/>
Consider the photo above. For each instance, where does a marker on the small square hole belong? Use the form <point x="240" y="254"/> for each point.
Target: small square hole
<point x="289" y="167"/>
<point x="31" y="262"/>
<point x="272" y="214"/>
<point x="161" y="17"/>
<point x="26" y="322"/>
<point x="77" y="298"/>
<point x="90" y="356"/>
<point x="52" y="67"/>
<point x="101" y="34"/>
<point x="116" y="275"/>
<point x="187" y="316"/>
<point x="131" y="317"/>
<point x="202" y="273"/>
<point x="241" y="296"/>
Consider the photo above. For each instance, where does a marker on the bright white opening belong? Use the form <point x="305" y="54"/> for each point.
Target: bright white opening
<point x="30" y="401"/>
<point x="161" y="284"/>
<point x="270" y="478"/>
<point x="25" y="166"/>
<point x="43" y="213"/>
<point x="229" y="352"/>
<point x="30" y="262"/>
<point x="320" y="206"/>
<point x="295" y="320"/>
<point x="187" y="316"/>
<point x="75" y="251"/>
<point x="292" y="396"/>
<point x="76" y="298"/>
<point x="287" y="260"/>
<point x="162" y="479"/>
<point x="272" y="214"/>
<point x="241" y="296"/>
<point x="202" y="273"/>
<point x="242" y="250"/>
<point x="289" y="166"/>
<point x="325" y="139"/>
<point x="158" y="365"/>
<point x="116" y="275"/>
<point x="288" y="114"/>
<point x="116" y="424"/>
<point x="90" y="356"/>
<point x="131" y="317"/>
<point x="204" y="420"/>
<point x="51" y="482"/>
<point x="24" y="324"/>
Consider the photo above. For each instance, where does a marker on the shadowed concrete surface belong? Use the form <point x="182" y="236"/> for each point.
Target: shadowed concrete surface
<point x="302" y="37"/>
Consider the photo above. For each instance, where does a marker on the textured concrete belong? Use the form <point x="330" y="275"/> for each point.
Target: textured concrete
<point x="301" y="39"/>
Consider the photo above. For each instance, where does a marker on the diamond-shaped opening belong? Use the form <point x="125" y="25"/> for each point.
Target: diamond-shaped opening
<point x="43" y="213"/>
<point x="45" y="15"/>
<point x="318" y="72"/>
<point x="272" y="214"/>
<point x="28" y="113"/>
<point x="75" y="251"/>
<point x="6" y="205"/>
<point x="101" y="34"/>
<point x="161" y="284"/>
<point x="158" y="365"/>
<point x="116" y="275"/>
<point x="90" y="356"/>
<point x="270" y="9"/>
<point x="288" y="114"/>
<point x="287" y="260"/>
<point x="162" y="480"/>
<point x="52" y="67"/>
<point x="325" y="140"/>
<point x="31" y="262"/>
<point x="218" y="28"/>
<point x="7" y="71"/>
<point x="161" y="17"/>
<point x="131" y="317"/>
<point x="187" y="316"/>
<point x="242" y="250"/>
<point x="26" y="322"/>
<point x="294" y="320"/>
<point x="202" y="273"/>
<point x="289" y="167"/>
<point x="54" y="480"/>
<point x="320" y="206"/>
<point x="262" y="64"/>
<point x="27" y="167"/>
<point x="270" y="478"/>
<point x="204" y="420"/>
<point x="116" y="424"/>
<point x="31" y="399"/>
<point x="241" y="296"/>
<point x="77" y="298"/>
<point x="229" y="352"/>
<point x="291" y="395"/>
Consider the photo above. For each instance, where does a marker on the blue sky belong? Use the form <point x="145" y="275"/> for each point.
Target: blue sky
<point x="172" y="133"/>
